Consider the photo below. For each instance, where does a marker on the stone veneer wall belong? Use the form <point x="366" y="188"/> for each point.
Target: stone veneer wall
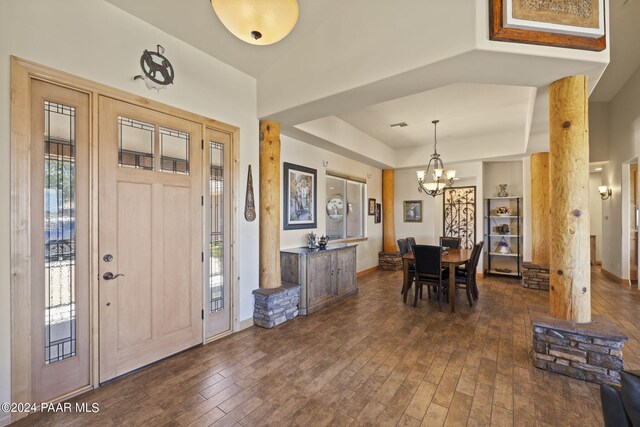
<point x="390" y="261"/>
<point x="535" y="276"/>
<point x="274" y="306"/>
<point x="590" y="351"/>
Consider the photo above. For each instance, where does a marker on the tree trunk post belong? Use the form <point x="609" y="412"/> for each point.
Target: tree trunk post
<point x="270" y="274"/>
<point x="388" y="217"/>
<point x="570" y="272"/>
<point x="540" y="209"/>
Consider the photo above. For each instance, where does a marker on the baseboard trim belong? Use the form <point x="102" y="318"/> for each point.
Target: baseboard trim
<point x="246" y="323"/>
<point x="359" y="274"/>
<point x="611" y="276"/>
<point x="5" y="419"/>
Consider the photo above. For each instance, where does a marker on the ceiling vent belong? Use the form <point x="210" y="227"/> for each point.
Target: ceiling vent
<point x="400" y="125"/>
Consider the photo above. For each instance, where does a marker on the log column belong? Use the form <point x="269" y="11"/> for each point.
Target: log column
<point x="270" y="274"/>
<point x="570" y="275"/>
<point x="540" y="209"/>
<point x="388" y="218"/>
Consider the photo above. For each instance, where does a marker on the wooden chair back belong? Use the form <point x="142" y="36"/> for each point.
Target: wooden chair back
<point x="450" y="242"/>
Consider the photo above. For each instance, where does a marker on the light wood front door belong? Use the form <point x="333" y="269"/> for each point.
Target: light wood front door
<point x="59" y="241"/>
<point x="150" y="236"/>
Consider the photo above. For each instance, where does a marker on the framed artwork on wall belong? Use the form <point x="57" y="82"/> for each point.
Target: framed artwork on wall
<point x="372" y="206"/>
<point x="300" y="197"/>
<point x="412" y="211"/>
<point x="378" y="215"/>
<point x="577" y="24"/>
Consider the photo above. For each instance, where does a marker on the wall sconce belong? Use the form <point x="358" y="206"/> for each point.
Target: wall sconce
<point x="605" y="192"/>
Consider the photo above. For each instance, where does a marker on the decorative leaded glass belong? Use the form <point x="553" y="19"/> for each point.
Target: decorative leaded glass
<point x="135" y="143"/>
<point x="216" y="238"/>
<point x="59" y="231"/>
<point x="174" y="149"/>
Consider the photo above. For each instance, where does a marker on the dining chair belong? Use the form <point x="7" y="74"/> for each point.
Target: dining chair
<point x="466" y="276"/>
<point x="450" y="242"/>
<point x="404" y="248"/>
<point x="411" y="242"/>
<point x="429" y="272"/>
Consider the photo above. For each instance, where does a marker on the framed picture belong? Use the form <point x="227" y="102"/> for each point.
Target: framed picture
<point x="378" y="215"/>
<point x="413" y="211"/>
<point x="577" y="24"/>
<point x="300" y="200"/>
<point x="372" y="206"/>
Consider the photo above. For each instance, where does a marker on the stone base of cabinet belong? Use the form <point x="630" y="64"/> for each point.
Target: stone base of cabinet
<point x="390" y="261"/>
<point x="585" y="351"/>
<point x="275" y="306"/>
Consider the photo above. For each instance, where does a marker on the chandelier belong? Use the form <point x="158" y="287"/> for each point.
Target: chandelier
<point x="435" y="168"/>
<point x="259" y="22"/>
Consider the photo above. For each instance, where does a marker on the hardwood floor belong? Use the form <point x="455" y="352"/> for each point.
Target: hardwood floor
<point x="370" y="360"/>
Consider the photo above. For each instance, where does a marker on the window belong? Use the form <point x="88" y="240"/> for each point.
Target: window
<point x="137" y="143"/>
<point x="59" y="231"/>
<point x="344" y="208"/>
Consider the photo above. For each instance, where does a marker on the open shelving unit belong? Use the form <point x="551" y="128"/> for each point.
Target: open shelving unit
<point x="514" y="240"/>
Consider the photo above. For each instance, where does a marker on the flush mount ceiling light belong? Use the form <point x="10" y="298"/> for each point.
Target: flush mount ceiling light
<point x="259" y="22"/>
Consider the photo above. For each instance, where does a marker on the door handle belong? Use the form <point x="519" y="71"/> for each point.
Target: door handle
<point x="110" y="276"/>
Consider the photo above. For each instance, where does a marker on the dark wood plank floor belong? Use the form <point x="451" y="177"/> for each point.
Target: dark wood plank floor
<point x="370" y="360"/>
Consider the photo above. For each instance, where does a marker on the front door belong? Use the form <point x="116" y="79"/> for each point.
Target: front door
<point x="150" y="236"/>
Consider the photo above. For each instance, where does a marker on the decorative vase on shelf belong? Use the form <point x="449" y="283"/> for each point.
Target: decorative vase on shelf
<point x="311" y="240"/>
<point x="503" y="190"/>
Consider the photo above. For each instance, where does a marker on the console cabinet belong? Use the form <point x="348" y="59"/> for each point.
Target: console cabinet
<point x="324" y="276"/>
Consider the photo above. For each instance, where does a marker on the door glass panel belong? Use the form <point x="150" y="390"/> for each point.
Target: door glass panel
<point x="135" y="143"/>
<point x="216" y="238"/>
<point x="59" y="231"/>
<point x="174" y="149"/>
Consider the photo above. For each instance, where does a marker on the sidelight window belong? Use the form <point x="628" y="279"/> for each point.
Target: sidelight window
<point x="216" y="237"/>
<point x="59" y="231"/>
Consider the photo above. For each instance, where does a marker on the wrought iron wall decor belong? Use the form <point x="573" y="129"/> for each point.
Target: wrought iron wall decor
<point x="249" y="203"/>
<point x="157" y="71"/>
<point x="459" y="215"/>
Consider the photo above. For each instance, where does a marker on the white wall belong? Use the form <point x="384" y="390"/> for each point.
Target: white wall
<point x="509" y="173"/>
<point x="624" y="144"/>
<point x="599" y="131"/>
<point x="95" y="40"/>
<point x="300" y="153"/>
<point x="595" y="212"/>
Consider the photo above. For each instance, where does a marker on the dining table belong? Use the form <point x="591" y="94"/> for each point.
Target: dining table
<point x="452" y="258"/>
